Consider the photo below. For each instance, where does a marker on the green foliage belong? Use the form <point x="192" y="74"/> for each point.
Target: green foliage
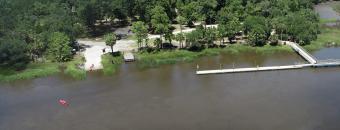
<point x="229" y="24"/>
<point x="327" y="37"/>
<point x="141" y="32"/>
<point x="13" y="53"/>
<point x="181" y="20"/>
<point x="89" y="14"/>
<point x="180" y="37"/>
<point x="158" y="43"/>
<point x="73" y="68"/>
<point x="159" y="20"/>
<point x="110" y="40"/>
<point x="111" y="63"/>
<point x="146" y="60"/>
<point x="169" y="36"/>
<point x="302" y="29"/>
<point x="257" y="37"/>
<point x="189" y="12"/>
<point x="8" y="74"/>
<point x="336" y="6"/>
<point x="59" y="48"/>
<point x="324" y="21"/>
<point x="257" y="22"/>
<point x="206" y="10"/>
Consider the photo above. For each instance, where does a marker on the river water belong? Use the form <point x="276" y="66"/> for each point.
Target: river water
<point x="173" y="97"/>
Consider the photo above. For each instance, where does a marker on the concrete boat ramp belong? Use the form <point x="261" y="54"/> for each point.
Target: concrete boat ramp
<point x="313" y="62"/>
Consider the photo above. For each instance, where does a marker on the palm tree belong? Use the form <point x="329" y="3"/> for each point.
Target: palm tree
<point x="110" y="40"/>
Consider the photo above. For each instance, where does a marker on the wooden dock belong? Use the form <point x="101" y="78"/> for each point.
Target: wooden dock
<point x="256" y="69"/>
<point x="128" y="57"/>
<point x="313" y="62"/>
<point x="327" y="63"/>
<point x="302" y="52"/>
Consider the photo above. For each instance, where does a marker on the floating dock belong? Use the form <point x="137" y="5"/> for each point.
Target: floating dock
<point x="313" y="62"/>
<point x="327" y="63"/>
<point x="240" y="70"/>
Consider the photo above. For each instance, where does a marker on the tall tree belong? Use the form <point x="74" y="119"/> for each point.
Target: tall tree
<point x="13" y="53"/>
<point x="59" y="47"/>
<point x="206" y="9"/>
<point x="110" y="40"/>
<point x="141" y="32"/>
<point x="257" y="36"/>
<point x="189" y="12"/>
<point x="160" y="21"/>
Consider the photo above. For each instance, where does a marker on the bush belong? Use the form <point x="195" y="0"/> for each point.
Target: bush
<point x="72" y="68"/>
<point x="32" y="71"/>
<point x="59" y="48"/>
<point x="328" y="35"/>
<point x="111" y="63"/>
<point x="13" y="54"/>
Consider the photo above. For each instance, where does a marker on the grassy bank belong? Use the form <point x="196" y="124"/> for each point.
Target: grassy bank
<point x="34" y="70"/>
<point x="146" y="60"/>
<point x="72" y="68"/>
<point x="336" y="6"/>
<point x="324" y="21"/>
<point x="327" y="37"/>
<point x="37" y="70"/>
<point x="111" y="63"/>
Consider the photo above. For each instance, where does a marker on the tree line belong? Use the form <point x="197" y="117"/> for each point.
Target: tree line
<point x="46" y="29"/>
<point x="257" y="19"/>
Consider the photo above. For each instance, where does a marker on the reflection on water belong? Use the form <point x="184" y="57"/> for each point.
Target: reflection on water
<point x="173" y="97"/>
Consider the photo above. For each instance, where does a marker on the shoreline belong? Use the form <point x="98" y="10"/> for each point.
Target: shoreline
<point x="328" y="37"/>
<point x="144" y="60"/>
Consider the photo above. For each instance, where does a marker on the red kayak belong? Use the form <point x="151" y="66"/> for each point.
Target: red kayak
<point x="63" y="102"/>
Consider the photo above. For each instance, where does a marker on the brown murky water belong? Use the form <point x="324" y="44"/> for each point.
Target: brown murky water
<point x="172" y="97"/>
